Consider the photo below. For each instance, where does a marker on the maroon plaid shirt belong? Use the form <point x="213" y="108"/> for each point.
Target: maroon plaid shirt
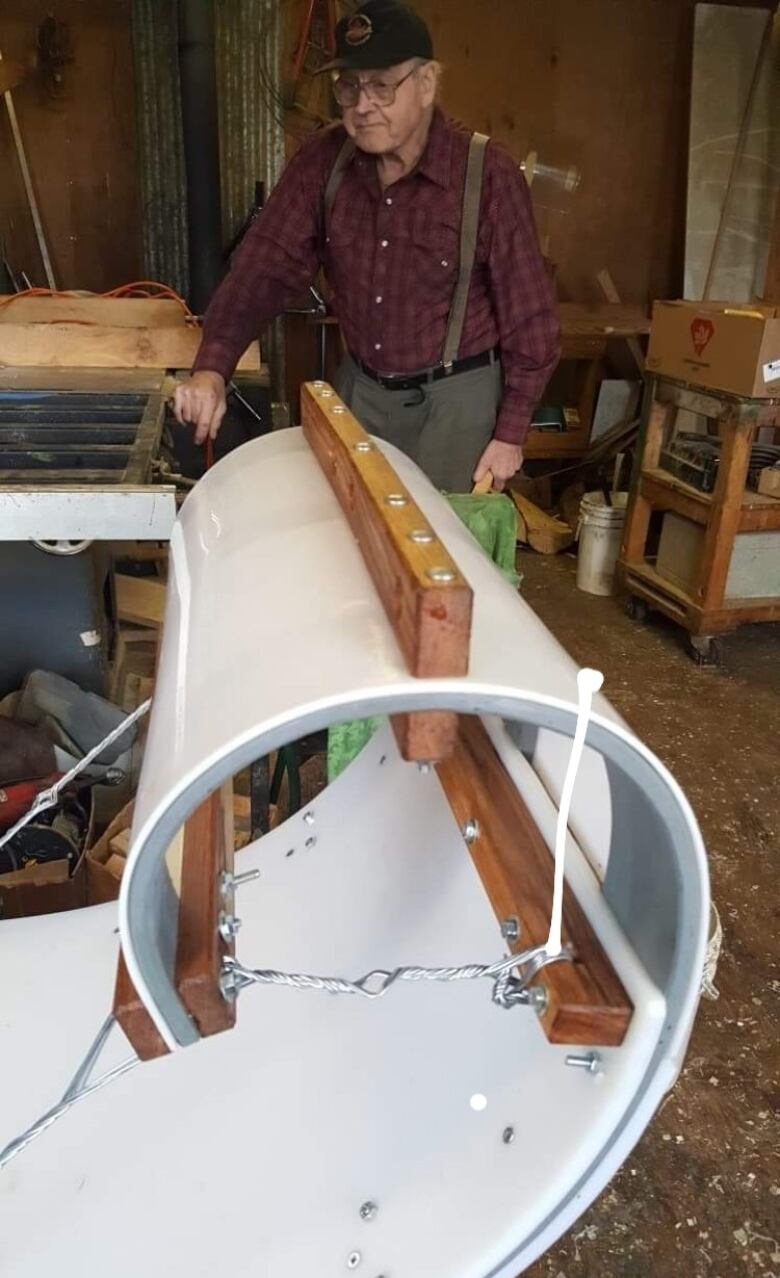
<point x="391" y="260"/>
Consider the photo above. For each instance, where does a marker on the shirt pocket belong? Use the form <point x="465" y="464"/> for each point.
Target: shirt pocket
<point x="342" y="256"/>
<point x="435" y="252"/>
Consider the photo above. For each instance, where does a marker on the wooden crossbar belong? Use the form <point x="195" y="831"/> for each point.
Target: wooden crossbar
<point x="427" y="600"/>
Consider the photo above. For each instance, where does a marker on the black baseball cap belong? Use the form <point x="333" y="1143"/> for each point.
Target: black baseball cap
<point x="381" y="33"/>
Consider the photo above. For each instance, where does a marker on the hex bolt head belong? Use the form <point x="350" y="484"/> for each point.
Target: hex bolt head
<point x="368" y="1210"/>
<point x="228" y="926"/>
<point x="510" y="929"/>
<point x="353" y="1259"/>
<point x="470" y="830"/>
<point x="508" y="1135"/>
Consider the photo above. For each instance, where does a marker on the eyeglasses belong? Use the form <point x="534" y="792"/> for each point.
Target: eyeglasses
<point x="347" y="90"/>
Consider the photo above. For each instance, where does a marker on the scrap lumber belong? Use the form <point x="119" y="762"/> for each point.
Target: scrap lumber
<point x="80" y="331"/>
<point x="541" y="531"/>
<point x="139" y="600"/>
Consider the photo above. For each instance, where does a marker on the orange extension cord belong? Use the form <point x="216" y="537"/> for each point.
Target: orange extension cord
<point x="138" y="288"/>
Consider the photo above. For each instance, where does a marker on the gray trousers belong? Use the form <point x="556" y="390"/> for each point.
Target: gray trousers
<point x="444" y="426"/>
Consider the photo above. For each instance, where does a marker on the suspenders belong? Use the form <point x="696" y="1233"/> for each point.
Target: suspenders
<point x="469" y="227"/>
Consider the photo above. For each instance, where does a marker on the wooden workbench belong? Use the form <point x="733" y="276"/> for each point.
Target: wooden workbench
<point x="704" y="609"/>
<point x="585" y="334"/>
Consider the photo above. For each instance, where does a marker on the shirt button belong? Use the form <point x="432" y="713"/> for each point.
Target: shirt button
<point x="379" y="299"/>
<point x="388" y="200"/>
<point x="384" y="243"/>
<point x="377" y="346"/>
<point x="444" y="263"/>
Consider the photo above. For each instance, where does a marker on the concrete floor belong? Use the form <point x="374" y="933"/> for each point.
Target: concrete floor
<point x="700" y="1196"/>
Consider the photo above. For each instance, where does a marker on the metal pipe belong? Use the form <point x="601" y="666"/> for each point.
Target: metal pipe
<point x="29" y="189"/>
<point x="198" y="85"/>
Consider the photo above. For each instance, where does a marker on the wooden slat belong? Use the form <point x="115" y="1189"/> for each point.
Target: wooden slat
<point x="431" y="618"/>
<point x="92" y="345"/>
<point x="586" y="1001"/>
<point x="206" y="852"/>
<point x="118" y="312"/>
<point x="141" y="1031"/>
<point x="603" y="318"/>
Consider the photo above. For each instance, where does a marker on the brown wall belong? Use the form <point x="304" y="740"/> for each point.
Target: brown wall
<point x="81" y="148"/>
<point x="599" y="84"/>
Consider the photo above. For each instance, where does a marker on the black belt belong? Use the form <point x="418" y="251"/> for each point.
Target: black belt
<point x="410" y="381"/>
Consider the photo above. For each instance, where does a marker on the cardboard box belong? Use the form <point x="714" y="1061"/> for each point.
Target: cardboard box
<point x="42" y="889"/>
<point x="721" y="346"/>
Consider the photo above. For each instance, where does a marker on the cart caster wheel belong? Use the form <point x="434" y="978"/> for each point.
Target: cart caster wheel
<point x="636" y="608"/>
<point x="705" y="649"/>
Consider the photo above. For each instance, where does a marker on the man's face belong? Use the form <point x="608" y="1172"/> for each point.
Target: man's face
<point x="379" y="129"/>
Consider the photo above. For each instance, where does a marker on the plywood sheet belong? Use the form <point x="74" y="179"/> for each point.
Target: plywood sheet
<point x="727" y="40"/>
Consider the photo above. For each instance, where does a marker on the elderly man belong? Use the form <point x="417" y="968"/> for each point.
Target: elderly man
<point x="427" y="239"/>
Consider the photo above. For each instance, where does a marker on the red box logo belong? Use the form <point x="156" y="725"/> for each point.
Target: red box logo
<point x="701" y="332"/>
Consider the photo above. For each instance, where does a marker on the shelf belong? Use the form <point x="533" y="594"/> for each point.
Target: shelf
<point x="666" y="492"/>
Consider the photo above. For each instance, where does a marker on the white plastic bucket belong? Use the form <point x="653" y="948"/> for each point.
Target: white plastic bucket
<point x="599" y="532"/>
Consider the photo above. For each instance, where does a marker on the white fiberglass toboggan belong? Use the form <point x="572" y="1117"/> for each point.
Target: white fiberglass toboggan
<point x="449" y="1119"/>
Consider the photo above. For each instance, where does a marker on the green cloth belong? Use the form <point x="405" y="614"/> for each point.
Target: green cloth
<point x="491" y="518"/>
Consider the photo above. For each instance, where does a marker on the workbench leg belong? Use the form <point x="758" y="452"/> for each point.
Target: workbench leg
<point x="726" y="511"/>
<point x="651" y="441"/>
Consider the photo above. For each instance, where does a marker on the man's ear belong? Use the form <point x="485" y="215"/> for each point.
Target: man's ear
<point x="429" y="78"/>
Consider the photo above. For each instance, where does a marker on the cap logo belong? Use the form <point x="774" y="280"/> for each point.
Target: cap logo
<point x="359" y="29"/>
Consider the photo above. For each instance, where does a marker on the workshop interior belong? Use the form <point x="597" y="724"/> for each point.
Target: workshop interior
<point x="388" y="863"/>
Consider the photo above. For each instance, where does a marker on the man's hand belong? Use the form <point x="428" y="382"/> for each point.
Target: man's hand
<point x="504" y="460"/>
<point x="201" y="401"/>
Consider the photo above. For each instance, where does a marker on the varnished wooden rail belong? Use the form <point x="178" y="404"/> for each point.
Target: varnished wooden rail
<point x="206" y="854"/>
<point x="586" y="1001"/>
<point x="427" y="600"/>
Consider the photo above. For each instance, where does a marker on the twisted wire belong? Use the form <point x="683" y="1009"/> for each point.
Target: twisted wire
<point x="507" y="989"/>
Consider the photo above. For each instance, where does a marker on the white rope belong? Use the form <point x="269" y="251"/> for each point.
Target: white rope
<point x="714" y="943"/>
<point x="47" y="798"/>
<point x="588" y="682"/>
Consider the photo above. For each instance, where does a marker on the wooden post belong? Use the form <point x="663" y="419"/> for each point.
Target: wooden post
<point x="726" y="510"/>
<point x="651" y="442"/>
<point x="586" y="1001"/>
<point x="207" y="853"/>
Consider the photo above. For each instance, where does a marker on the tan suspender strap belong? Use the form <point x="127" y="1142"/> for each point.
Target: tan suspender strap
<point x="334" y="182"/>
<point x="469" y="227"/>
